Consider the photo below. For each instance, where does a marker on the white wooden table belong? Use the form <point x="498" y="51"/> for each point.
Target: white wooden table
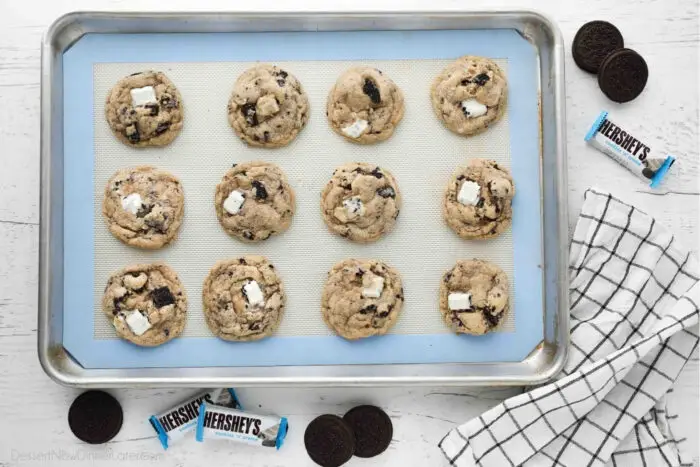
<point x="33" y="409"/>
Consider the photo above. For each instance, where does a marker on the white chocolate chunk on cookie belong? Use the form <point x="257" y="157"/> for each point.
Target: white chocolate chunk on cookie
<point x="137" y="322"/>
<point x="234" y="201"/>
<point x="374" y="288"/>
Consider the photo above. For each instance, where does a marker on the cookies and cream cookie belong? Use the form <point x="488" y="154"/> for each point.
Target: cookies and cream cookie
<point x="364" y="106"/>
<point x="268" y="107"/>
<point x="474" y="297"/>
<point x="243" y="299"/>
<point x="478" y="198"/>
<point x="361" y="298"/>
<point x="146" y="303"/>
<point x="470" y="95"/>
<point x="143" y="206"/>
<point x="145" y="109"/>
<point x="361" y="202"/>
<point x="253" y="201"/>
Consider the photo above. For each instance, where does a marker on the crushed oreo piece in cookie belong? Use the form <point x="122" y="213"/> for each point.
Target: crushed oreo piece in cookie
<point x="368" y="309"/>
<point x="162" y="297"/>
<point x="491" y="319"/>
<point x="260" y="191"/>
<point x="249" y="112"/>
<point x="162" y="128"/>
<point x="481" y="79"/>
<point x="377" y="172"/>
<point x="134" y="136"/>
<point x="154" y="108"/>
<point x="144" y="211"/>
<point x="168" y="102"/>
<point x="386" y="192"/>
<point x="372" y="91"/>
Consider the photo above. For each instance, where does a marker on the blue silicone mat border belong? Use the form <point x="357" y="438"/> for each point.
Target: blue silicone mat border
<point x="78" y="312"/>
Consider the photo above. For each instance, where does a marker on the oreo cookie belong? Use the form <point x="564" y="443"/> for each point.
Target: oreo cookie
<point x="623" y="75"/>
<point x="95" y="417"/>
<point x="593" y="43"/>
<point x="329" y="441"/>
<point x="373" y="430"/>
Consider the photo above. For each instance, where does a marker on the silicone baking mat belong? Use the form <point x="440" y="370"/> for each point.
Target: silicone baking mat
<point x="422" y="154"/>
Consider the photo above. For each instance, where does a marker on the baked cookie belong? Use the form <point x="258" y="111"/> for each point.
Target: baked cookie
<point x="477" y="202"/>
<point x="474" y="297"/>
<point x="268" y="107"/>
<point x="361" y="298"/>
<point x="146" y="303"/>
<point x="360" y="202"/>
<point x="144" y="206"/>
<point x="364" y="106"/>
<point x="470" y="95"/>
<point x="243" y="299"/>
<point x="145" y="109"/>
<point x="254" y="201"/>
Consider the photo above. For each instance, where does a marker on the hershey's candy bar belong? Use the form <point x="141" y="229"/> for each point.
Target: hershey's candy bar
<point x="173" y="424"/>
<point x="628" y="150"/>
<point x="234" y="425"/>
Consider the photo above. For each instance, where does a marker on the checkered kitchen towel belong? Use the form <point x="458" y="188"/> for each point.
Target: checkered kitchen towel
<point x="634" y="296"/>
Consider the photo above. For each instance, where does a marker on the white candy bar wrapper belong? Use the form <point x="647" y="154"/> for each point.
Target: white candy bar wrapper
<point x="242" y="427"/>
<point x="173" y="424"/>
<point x="634" y="154"/>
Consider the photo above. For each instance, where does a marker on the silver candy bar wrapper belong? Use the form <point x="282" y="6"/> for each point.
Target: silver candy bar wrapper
<point x="629" y="151"/>
<point x="173" y="424"/>
<point x="242" y="427"/>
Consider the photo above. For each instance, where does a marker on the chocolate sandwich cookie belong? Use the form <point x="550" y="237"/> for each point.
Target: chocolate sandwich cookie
<point x="593" y="42"/>
<point x="373" y="430"/>
<point x="623" y="75"/>
<point x="329" y="441"/>
<point x="95" y="417"/>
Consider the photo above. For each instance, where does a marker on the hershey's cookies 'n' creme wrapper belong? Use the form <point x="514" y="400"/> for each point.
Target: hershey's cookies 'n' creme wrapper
<point x="629" y="151"/>
<point x="173" y="424"/>
<point x="243" y="427"/>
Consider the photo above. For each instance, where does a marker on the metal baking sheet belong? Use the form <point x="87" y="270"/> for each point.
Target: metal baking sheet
<point x="91" y="64"/>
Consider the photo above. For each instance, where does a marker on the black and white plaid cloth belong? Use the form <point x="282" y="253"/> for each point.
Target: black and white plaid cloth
<point x="634" y="295"/>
